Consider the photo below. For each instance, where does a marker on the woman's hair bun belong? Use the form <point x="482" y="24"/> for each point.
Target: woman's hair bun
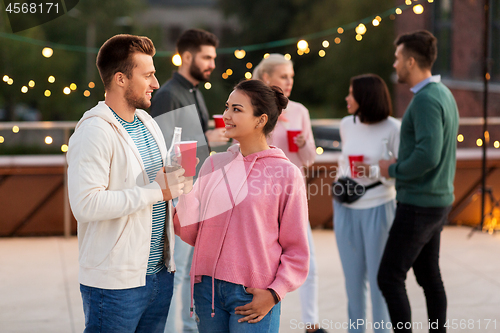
<point x="281" y="100"/>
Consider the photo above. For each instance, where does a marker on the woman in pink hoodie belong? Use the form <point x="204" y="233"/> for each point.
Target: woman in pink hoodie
<point x="247" y="219"/>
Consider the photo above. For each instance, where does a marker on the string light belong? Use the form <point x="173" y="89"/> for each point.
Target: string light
<point x="337" y="40"/>
<point x="6" y="78"/>
<point x="408" y="2"/>
<point x="176" y="60"/>
<point x="487" y="76"/>
<point x="86" y="93"/>
<point x="10" y="81"/>
<point x="266" y="55"/>
<point x="399" y="11"/>
<point x="72" y="86"/>
<point x="321" y="53"/>
<point x="479" y="142"/>
<point x="31" y="84"/>
<point x="496" y="144"/>
<point x="207" y="85"/>
<point x="360" y="29"/>
<point x="48" y="140"/>
<point x="418" y="9"/>
<point x="2" y="139"/>
<point x="66" y="90"/>
<point x="375" y="23"/>
<point x="307" y="51"/>
<point x="51" y="79"/>
<point x="47" y="52"/>
<point x="229" y="72"/>
<point x="239" y="54"/>
<point x="47" y="93"/>
<point x="64" y="148"/>
<point x="319" y="150"/>
<point x="24" y="89"/>
<point x="302" y="45"/>
<point x="460" y="138"/>
<point x="287" y="56"/>
<point x="212" y="153"/>
<point x="430" y="1"/>
<point x="15" y="129"/>
<point x="340" y="30"/>
<point x="248" y="75"/>
<point x="359" y="38"/>
<point x="249" y="65"/>
<point x="224" y="75"/>
<point x="91" y="85"/>
<point x="325" y="44"/>
<point x="300" y="52"/>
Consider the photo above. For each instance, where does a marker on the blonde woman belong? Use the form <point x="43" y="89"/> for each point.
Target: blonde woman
<point x="276" y="70"/>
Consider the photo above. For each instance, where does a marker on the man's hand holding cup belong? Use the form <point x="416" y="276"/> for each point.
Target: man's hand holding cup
<point x="171" y="181"/>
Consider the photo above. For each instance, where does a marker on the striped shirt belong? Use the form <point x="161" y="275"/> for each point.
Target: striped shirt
<point x="151" y="158"/>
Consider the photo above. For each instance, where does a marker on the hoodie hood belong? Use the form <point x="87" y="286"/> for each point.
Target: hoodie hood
<point x="273" y="152"/>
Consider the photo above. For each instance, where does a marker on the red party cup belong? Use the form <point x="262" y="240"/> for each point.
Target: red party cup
<point x="292" y="146"/>
<point x="219" y="122"/>
<point x="352" y="159"/>
<point x="187" y="160"/>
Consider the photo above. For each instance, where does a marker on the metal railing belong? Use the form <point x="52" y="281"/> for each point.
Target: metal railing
<point x="68" y="126"/>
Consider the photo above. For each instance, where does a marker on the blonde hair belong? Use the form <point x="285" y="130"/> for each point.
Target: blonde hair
<point x="268" y="64"/>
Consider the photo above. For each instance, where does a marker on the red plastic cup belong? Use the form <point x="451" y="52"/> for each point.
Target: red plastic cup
<point x="292" y="146"/>
<point x="187" y="159"/>
<point x="219" y="122"/>
<point x="352" y="159"/>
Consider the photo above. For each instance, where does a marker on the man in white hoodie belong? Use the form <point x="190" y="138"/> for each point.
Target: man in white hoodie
<point x="117" y="191"/>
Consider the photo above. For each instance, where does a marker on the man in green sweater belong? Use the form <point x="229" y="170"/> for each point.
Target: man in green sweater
<point x="424" y="174"/>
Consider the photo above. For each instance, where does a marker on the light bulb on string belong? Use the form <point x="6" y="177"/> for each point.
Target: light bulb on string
<point x="287" y="56"/>
<point x="418" y="9"/>
<point x="302" y="45"/>
<point x="239" y="54"/>
<point x="360" y="29"/>
<point x="176" y="60"/>
<point x="47" y="52"/>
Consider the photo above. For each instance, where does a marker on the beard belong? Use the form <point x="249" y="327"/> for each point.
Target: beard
<point x="135" y="101"/>
<point x="197" y="74"/>
<point x="403" y="75"/>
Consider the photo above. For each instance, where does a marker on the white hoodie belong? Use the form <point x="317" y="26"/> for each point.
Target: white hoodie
<point x="112" y="200"/>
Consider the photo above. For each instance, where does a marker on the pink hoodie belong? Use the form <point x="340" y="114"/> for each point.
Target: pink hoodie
<point x="247" y="218"/>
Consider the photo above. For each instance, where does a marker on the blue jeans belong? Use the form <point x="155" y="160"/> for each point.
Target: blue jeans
<point x="227" y="297"/>
<point x="361" y="236"/>
<point x="414" y="242"/>
<point x="141" y="309"/>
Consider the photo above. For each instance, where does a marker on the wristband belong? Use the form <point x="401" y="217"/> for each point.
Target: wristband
<point x="275" y="296"/>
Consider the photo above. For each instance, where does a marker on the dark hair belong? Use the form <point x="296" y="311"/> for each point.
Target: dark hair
<point x="115" y="55"/>
<point x="265" y="100"/>
<point x="191" y="40"/>
<point x="421" y="45"/>
<point x="373" y="98"/>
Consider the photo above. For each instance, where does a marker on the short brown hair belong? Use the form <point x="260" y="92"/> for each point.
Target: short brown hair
<point x="421" y="45"/>
<point x="373" y="98"/>
<point x="191" y="40"/>
<point x="115" y="55"/>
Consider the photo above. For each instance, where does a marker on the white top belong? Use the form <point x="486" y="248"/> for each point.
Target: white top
<point x="367" y="140"/>
<point x="112" y="199"/>
<point x="295" y="116"/>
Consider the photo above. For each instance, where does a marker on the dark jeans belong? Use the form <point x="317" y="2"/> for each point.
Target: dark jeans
<point x="135" y="310"/>
<point x="414" y="242"/>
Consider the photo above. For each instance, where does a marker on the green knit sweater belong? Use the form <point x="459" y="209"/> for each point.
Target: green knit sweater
<point x="426" y="162"/>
